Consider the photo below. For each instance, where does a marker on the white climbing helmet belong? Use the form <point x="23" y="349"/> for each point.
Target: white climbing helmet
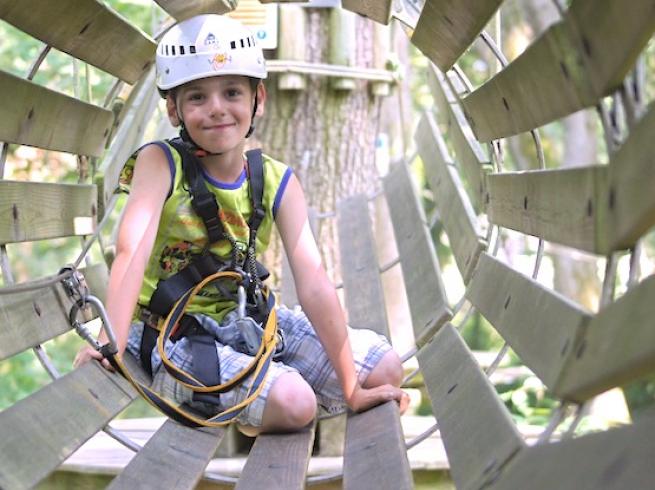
<point x="207" y="46"/>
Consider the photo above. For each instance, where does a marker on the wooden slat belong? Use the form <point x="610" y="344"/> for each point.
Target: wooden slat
<point x="278" y="461"/>
<point x="469" y="155"/>
<point x="375" y="457"/>
<point x="31" y="318"/>
<point x="377" y="10"/>
<point x="36" y="211"/>
<point x="617" y="347"/>
<point x="571" y="66"/>
<point x="34" y="115"/>
<point x="562" y="206"/>
<point x="85" y="29"/>
<point x="183" y="9"/>
<point x="176" y="454"/>
<point x="631" y="200"/>
<point x="455" y="210"/>
<point x="427" y="299"/>
<point x="42" y="430"/>
<point x="364" y="295"/>
<point x="476" y="428"/>
<point x="447" y="27"/>
<point x="540" y="325"/>
<point x="613" y="460"/>
<point x="142" y="103"/>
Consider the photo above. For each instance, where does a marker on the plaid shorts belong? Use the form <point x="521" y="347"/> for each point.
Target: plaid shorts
<point x="303" y="353"/>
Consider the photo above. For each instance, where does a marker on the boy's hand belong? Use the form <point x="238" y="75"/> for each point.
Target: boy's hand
<point x="365" y="398"/>
<point x="86" y="354"/>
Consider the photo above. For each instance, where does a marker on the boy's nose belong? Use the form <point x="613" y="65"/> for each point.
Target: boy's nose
<point x="215" y="104"/>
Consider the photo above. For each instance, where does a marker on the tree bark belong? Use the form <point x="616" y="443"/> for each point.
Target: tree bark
<point x="326" y="135"/>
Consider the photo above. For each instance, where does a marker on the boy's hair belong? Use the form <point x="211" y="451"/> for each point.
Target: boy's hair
<point x="205" y="46"/>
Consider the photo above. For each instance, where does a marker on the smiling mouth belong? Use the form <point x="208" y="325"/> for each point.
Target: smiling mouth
<point x="220" y="126"/>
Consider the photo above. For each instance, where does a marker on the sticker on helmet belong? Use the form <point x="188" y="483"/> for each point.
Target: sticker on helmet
<point x="218" y="61"/>
<point x="210" y="39"/>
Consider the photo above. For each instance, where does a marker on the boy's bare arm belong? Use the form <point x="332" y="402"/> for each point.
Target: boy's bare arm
<point x="136" y="236"/>
<point x="319" y="300"/>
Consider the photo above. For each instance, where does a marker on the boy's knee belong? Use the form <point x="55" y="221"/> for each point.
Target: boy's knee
<point x="388" y="371"/>
<point x="291" y="403"/>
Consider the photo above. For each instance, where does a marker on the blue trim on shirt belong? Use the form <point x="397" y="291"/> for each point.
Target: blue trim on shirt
<point x="224" y="185"/>
<point x="280" y="191"/>
<point x="169" y="157"/>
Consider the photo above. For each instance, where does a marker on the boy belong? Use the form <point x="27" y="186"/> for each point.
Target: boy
<point x="210" y="71"/>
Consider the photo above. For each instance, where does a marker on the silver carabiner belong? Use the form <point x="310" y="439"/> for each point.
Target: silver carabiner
<point x="241" y="304"/>
<point x="83" y="331"/>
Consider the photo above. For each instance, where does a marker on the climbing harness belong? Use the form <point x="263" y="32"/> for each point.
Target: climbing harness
<point x="166" y="318"/>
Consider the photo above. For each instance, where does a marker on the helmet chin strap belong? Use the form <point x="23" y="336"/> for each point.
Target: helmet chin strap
<point x="196" y="149"/>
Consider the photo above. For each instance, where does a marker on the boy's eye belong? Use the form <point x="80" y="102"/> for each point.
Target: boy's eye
<point x="233" y="92"/>
<point x="194" y="96"/>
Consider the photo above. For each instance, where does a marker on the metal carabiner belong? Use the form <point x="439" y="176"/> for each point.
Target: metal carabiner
<point x="83" y="331"/>
<point x="241" y="304"/>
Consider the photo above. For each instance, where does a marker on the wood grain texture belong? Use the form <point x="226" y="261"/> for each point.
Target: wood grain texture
<point x="540" y="325"/>
<point x="470" y="158"/>
<point x="85" y="29"/>
<point x="630" y="198"/>
<point x="377" y="10"/>
<point x="446" y="28"/>
<point x="564" y="206"/>
<point x="426" y="295"/>
<point x="364" y="295"/>
<point x="34" y="116"/>
<point x="456" y="212"/>
<point x="476" y="428"/>
<point x="569" y="67"/>
<point x="617" y="347"/>
<point x="375" y="457"/>
<point x="617" y="459"/>
<point x="176" y="454"/>
<point x="31" y="318"/>
<point x="42" y="430"/>
<point x="35" y="211"/>
<point x="278" y="461"/>
<point x="183" y="9"/>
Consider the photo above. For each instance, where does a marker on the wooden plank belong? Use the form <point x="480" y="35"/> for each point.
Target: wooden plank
<point x="183" y="9"/>
<point x="631" y="201"/>
<point x="540" y="325"/>
<point x="446" y="28"/>
<point x="470" y="157"/>
<point x="617" y="347"/>
<point x="562" y="205"/>
<point x="427" y="299"/>
<point x="176" y="454"/>
<point x="31" y="318"/>
<point x="476" y="428"/>
<point x="375" y="457"/>
<point x="617" y="459"/>
<point x="42" y="430"/>
<point x="142" y="103"/>
<point x="33" y="116"/>
<point x="571" y="66"/>
<point x="364" y="295"/>
<point x="278" y="461"/>
<point x="36" y="211"/>
<point x="85" y="29"/>
<point x="455" y="209"/>
<point x="377" y="10"/>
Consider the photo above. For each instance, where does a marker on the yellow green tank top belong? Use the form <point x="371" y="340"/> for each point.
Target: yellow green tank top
<point x="182" y="234"/>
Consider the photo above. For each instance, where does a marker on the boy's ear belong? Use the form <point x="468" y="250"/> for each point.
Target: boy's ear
<point x="171" y="110"/>
<point x="261" y="99"/>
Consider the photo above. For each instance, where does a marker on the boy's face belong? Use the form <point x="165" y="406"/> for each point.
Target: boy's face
<point x="216" y="111"/>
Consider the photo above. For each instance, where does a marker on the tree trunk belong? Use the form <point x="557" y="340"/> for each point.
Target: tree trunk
<point x="326" y="135"/>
